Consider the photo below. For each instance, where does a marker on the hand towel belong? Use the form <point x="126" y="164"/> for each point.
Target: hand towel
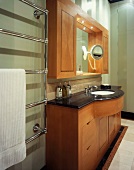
<point x="12" y="117"/>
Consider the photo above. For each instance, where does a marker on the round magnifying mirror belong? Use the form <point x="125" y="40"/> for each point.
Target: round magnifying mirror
<point x="97" y="52"/>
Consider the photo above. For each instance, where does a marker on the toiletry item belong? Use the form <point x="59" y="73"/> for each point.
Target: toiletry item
<point x="69" y="93"/>
<point x="86" y="90"/>
<point x="105" y="86"/>
<point x="64" y="90"/>
<point x="80" y="69"/>
<point x="59" y="91"/>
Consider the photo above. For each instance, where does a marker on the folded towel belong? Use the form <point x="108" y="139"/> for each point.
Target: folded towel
<point x="12" y="117"/>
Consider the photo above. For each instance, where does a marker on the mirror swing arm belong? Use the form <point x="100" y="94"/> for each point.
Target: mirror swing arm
<point x="96" y="53"/>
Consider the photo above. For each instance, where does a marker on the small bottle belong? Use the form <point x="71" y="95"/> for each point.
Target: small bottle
<point x="80" y="68"/>
<point x="69" y="93"/>
<point x="59" y="91"/>
<point x="64" y="90"/>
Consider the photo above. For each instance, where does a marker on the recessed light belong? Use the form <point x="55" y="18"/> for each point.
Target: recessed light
<point x="84" y="28"/>
<point x="82" y="21"/>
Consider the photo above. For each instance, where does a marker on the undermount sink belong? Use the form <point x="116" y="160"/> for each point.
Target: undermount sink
<point x="102" y="92"/>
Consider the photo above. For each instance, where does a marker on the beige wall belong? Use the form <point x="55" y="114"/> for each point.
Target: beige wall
<point x="26" y="54"/>
<point x="122" y="49"/>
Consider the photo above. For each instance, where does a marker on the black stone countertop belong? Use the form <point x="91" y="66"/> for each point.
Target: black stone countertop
<point x="81" y="99"/>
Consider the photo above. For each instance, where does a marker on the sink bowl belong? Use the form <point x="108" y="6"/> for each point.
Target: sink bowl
<point x="102" y="92"/>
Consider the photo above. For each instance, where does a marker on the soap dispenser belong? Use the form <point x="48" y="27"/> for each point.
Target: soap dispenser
<point x="69" y="93"/>
<point x="59" y="91"/>
<point x="64" y="90"/>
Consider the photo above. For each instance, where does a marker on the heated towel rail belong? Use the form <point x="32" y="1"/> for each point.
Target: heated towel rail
<point x="37" y="13"/>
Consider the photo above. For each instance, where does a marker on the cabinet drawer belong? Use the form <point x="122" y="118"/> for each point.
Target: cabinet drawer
<point x="108" y="107"/>
<point x="89" y="158"/>
<point x="85" y="115"/>
<point x="88" y="146"/>
<point x="88" y="136"/>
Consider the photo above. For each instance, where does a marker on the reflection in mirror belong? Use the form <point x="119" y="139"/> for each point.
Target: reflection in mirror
<point x="81" y="40"/>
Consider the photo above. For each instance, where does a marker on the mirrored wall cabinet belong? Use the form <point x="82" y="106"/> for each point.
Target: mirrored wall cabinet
<point x="93" y="39"/>
<point x="70" y="30"/>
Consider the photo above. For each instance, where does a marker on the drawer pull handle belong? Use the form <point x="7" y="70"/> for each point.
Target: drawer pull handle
<point x="88" y="147"/>
<point x="88" y="123"/>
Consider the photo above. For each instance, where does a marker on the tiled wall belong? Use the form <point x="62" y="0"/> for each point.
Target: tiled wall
<point x="21" y="53"/>
<point x="76" y="85"/>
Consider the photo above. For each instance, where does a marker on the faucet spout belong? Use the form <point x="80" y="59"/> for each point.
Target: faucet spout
<point x="92" y="88"/>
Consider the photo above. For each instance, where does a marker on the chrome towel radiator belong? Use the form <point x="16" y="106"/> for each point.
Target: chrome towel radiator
<point x="37" y="13"/>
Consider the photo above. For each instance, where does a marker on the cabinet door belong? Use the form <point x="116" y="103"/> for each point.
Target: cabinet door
<point x="88" y="146"/>
<point x="62" y="39"/>
<point x="67" y="41"/>
<point x="114" y="124"/>
<point x="102" y="136"/>
<point x="66" y="51"/>
<point x="111" y="127"/>
<point x="105" y="56"/>
<point x="118" y="121"/>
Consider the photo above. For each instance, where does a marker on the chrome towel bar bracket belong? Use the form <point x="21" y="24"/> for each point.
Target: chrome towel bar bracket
<point x="40" y="131"/>
<point x="37" y="14"/>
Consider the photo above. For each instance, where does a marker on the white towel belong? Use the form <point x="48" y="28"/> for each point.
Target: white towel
<point x="12" y="117"/>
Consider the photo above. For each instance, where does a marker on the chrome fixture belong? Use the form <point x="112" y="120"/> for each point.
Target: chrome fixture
<point x="4" y="31"/>
<point x="37" y="14"/>
<point x="36" y="103"/>
<point x="40" y="131"/>
<point x="36" y="71"/>
<point x="35" y="6"/>
<point x="91" y="88"/>
<point x="39" y="11"/>
<point x="96" y="53"/>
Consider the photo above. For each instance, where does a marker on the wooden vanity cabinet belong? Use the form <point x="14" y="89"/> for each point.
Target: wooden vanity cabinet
<point x="62" y="39"/>
<point x="77" y="139"/>
<point x="87" y="139"/>
<point x="71" y="138"/>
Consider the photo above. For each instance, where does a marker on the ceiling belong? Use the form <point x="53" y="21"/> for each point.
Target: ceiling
<point x="113" y="1"/>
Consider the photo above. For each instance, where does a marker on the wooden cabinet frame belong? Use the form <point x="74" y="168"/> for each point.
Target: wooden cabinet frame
<point x="64" y="18"/>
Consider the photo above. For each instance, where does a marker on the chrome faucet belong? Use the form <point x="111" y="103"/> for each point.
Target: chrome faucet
<point x="91" y="88"/>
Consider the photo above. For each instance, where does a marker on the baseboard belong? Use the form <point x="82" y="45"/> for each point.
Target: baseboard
<point x="127" y="115"/>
